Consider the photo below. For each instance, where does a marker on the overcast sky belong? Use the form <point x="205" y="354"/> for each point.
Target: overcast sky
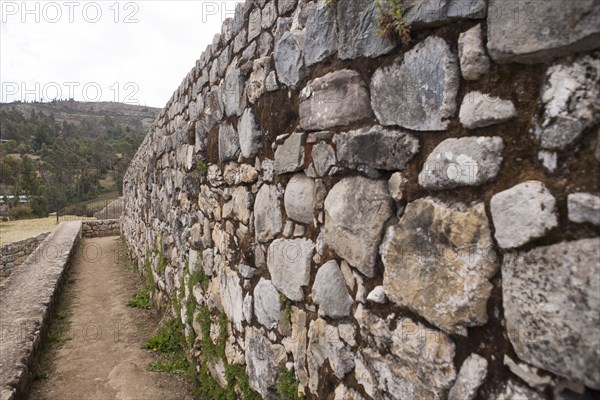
<point x="128" y="51"/>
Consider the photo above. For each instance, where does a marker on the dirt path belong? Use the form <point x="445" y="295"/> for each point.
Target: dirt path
<point x="98" y="354"/>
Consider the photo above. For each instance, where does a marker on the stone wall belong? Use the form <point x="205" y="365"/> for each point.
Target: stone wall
<point x="105" y="227"/>
<point x="15" y="253"/>
<point x="384" y="220"/>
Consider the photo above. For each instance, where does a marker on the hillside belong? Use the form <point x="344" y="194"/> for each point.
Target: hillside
<point x="65" y="152"/>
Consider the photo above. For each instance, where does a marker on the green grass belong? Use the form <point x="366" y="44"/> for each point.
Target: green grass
<point x="287" y="386"/>
<point x="168" y="339"/>
<point x="391" y="20"/>
<point x="141" y="298"/>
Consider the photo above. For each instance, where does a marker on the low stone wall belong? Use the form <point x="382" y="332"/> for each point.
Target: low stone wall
<point x="14" y="254"/>
<point x="106" y="227"/>
<point x="27" y="299"/>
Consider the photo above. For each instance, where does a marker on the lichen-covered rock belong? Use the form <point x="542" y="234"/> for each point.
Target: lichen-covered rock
<point x="522" y="213"/>
<point x="428" y="13"/>
<point x="356" y="209"/>
<point x="336" y="99"/>
<point x="479" y="110"/>
<point x="409" y="362"/>
<point x="471" y="376"/>
<point x="266" y="304"/>
<point x="289" y="157"/>
<point x="249" y="134"/>
<point x="571" y="98"/>
<point x="289" y="59"/>
<point x="263" y="362"/>
<point x="321" y="37"/>
<point x="357" y="30"/>
<point x="299" y="199"/>
<point x="514" y="391"/>
<point x="515" y="33"/>
<point x="584" y="207"/>
<point x="418" y="91"/>
<point x="330" y="293"/>
<point x="285" y="6"/>
<point x="229" y="143"/>
<point x="376" y="147"/>
<point x="267" y="213"/>
<point x="289" y="263"/>
<point x="231" y="297"/>
<point x="438" y="261"/>
<point x="551" y="304"/>
<point x="254" y="22"/>
<point x="468" y="161"/>
<point x="268" y="15"/>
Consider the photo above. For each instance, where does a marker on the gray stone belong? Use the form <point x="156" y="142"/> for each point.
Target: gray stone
<point x="409" y="362"/>
<point x="584" y="207"/>
<point x="528" y="374"/>
<point x="249" y="51"/>
<point x="256" y="86"/>
<point x="323" y="157"/>
<point x="356" y="210"/>
<point x="377" y="295"/>
<point x="299" y="199"/>
<point x="471" y="376"/>
<point x="321" y="38"/>
<point x="376" y="147"/>
<point x="285" y="6"/>
<point x="325" y="344"/>
<point x="267" y="213"/>
<point x="269" y="15"/>
<point x="246" y="271"/>
<point x="536" y="33"/>
<point x="233" y="93"/>
<point x="224" y="59"/>
<point x="241" y="200"/>
<point x="249" y="134"/>
<point x="265" y="44"/>
<point x="474" y="62"/>
<point x="330" y="293"/>
<point x="571" y="98"/>
<point x="522" y="213"/>
<point x="254" y="22"/>
<point x="468" y="161"/>
<point x="551" y="303"/>
<point x="479" y="110"/>
<point x="263" y="361"/>
<point x="240" y="42"/>
<point x="289" y="59"/>
<point x="336" y="99"/>
<point x="229" y="144"/>
<point x="271" y="82"/>
<point x="289" y="157"/>
<point x="231" y="297"/>
<point x="428" y="13"/>
<point x="448" y="248"/>
<point x="289" y="263"/>
<point x="266" y="304"/>
<point x="238" y="19"/>
<point x="213" y="108"/>
<point x="418" y="91"/>
<point x="549" y="160"/>
<point x="282" y="26"/>
<point x="357" y="30"/>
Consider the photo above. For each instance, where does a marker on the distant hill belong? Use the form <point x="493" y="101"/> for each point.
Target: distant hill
<point x="90" y="113"/>
<point x="67" y="152"/>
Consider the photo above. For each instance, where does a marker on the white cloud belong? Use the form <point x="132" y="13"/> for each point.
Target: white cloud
<point x="42" y="58"/>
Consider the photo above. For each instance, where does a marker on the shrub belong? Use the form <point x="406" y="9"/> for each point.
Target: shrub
<point x="21" y="212"/>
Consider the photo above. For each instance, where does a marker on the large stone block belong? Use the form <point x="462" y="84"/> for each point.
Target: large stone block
<point x="267" y="213"/>
<point x="523" y="213"/>
<point x="357" y="30"/>
<point x="551" y="304"/>
<point x="321" y="36"/>
<point x="336" y="99"/>
<point x="249" y="134"/>
<point x="418" y="91"/>
<point x="289" y="59"/>
<point x="266" y="304"/>
<point x="438" y="261"/>
<point x="428" y="13"/>
<point x="535" y="32"/>
<point x="289" y="265"/>
<point x="376" y="147"/>
<point x="299" y="199"/>
<point x="264" y="360"/>
<point x="289" y="156"/>
<point x="468" y="161"/>
<point x="229" y="144"/>
<point x="356" y="209"/>
<point x="330" y="293"/>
